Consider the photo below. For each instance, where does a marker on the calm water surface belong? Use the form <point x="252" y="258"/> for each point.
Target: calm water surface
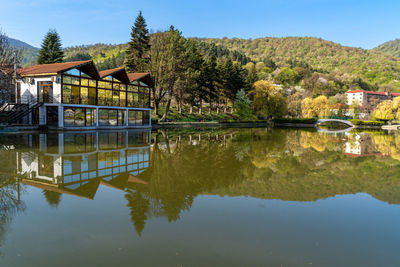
<point x="236" y="197"/>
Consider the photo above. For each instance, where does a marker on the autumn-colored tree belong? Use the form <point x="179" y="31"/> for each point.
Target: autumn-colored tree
<point x="317" y="107"/>
<point x="307" y="108"/>
<point x="268" y="101"/>
<point x="384" y="111"/>
<point x="321" y="106"/>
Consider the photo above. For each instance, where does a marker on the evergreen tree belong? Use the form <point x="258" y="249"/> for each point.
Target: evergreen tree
<point x="252" y="77"/>
<point x="51" y="51"/>
<point x="137" y="53"/>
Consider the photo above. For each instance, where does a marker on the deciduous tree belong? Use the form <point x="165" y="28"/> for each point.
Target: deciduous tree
<point x="267" y="100"/>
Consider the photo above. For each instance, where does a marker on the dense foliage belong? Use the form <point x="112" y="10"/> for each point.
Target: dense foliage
<point x="367" y="123"/>
<point x="391" y="48"/>
<point x="343" y="66"/>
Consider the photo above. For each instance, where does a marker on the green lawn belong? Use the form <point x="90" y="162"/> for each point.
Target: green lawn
<point x="206" y="116"/>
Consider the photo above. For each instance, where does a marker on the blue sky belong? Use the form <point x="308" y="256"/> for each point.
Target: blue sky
<point x="354" y="23"/>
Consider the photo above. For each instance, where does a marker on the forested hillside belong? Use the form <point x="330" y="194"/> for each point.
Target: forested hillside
<point x="391" y="48"/>
<point x="378" y="69"/>
<point x="345" y="63"/>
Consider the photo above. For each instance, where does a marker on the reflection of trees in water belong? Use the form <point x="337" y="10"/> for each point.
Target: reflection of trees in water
<point x="387" y="144"/>
<point x="52" y="198"/>
<point x="10" y="204"/>
<point x="178" y="172"/>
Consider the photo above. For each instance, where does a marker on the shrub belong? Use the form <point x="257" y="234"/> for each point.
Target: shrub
<point x="295" y="120"/>
<point x="368" y="123"/>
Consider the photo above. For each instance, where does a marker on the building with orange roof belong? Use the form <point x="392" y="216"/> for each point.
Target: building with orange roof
<point x="363" y="97"/>
<point x="72" y="95"/>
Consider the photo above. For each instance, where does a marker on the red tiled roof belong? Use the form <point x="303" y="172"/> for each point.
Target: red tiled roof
<point x="137" y="76"/>
<point x="372" y="93"/>
<point x="105" y="73"/>
<point x="51" y="68"/>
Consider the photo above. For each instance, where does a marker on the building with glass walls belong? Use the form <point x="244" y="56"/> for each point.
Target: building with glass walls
<point x="73" y="95"/>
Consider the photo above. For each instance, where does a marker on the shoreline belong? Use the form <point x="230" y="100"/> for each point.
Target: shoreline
<point x="179" y="125"/>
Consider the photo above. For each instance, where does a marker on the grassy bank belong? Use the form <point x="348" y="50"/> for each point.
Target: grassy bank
<point x="185" y="116"/>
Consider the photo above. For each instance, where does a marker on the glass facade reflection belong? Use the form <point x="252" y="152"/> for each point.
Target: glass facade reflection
<point x="78" y="162"/>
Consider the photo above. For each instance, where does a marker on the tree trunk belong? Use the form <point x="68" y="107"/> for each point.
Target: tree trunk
<point x="156" y="108"/>
<point x="226" y="105"/>
<point x="201" y="107"/>
<point x="164" y="117"/>
<point x="191" y="109"/>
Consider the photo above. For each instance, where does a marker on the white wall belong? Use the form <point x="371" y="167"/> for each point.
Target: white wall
<point x="29" y="91"/>
<point x="352" y="97"/>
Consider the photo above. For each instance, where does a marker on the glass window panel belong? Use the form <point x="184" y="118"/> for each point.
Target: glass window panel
<point x="102" y="97"/>
<point x="146" y="118"/>
<point x="79" y="117"/>
<point x="141" y="100"/>
<point x="73" y="72"/>
<point x="108" y="85"/>
<point x="139" y="118"/>
<point x="121" y="117"/>
<point x="109" y="96"/>
<point x="92" y="83"/>
<point x="102" y="84"/>
<point x="84" y="95"/>
<point x="122" y="99"/>
<point x="84" y="82"/>
<point x="67" y="94"/>
<point x="92" y="96"/>
<point x="67" y="79"/>
<point x="132" y="88"/>
<point x="103" y="117"/>
<point x="75" y="95"/>
<point x="112" y="116"/>
<point x="69" y="117"/>
<point x="130" y="100"/>
<point x="131" y="117"/>
<point x="75" y="80"/>
<point x="90" y="117"/>
<point x="115" y="98"/>
<point x="116" y="86"/>
<point x="136" y="100"/>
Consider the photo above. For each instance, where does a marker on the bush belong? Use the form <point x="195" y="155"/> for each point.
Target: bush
<point x="294" y="120"/>
<point x="368" y="123"/>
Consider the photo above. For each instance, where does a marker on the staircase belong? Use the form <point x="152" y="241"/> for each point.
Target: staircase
<point x="14" y="113"/>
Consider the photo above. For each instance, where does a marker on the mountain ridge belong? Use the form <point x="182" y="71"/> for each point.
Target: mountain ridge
<point x="378" y="67"/>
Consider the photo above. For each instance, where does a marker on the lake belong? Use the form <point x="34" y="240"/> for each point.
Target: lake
<point x="220" y="197"/>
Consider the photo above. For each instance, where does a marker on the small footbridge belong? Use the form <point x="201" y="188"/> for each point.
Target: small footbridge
<point x="345" y="122"/>
<point x="348" y="123"/>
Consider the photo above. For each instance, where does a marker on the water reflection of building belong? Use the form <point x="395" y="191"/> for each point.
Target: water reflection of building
<point x="77" y="163"/>
<point x="360" y="146"/>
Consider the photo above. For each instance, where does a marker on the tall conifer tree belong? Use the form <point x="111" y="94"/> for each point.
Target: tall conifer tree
<point x="51" y="50"/>
<point x="137" y="53"/>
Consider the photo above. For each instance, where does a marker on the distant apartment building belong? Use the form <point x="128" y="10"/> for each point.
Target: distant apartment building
<point x="364" y="98"/>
